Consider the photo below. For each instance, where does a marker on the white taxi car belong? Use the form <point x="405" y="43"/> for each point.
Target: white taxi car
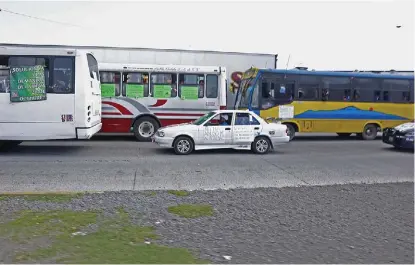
<point x="236" y="129"/>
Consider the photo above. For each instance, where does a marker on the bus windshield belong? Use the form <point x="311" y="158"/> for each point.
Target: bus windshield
<point x="242" y="100"/>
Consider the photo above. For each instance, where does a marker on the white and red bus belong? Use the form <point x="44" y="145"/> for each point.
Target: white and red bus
<point x="48" y="94"/>
<point x="140" y="98"/>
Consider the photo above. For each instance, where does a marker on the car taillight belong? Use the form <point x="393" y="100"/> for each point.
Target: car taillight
<point x="222" y="107"/>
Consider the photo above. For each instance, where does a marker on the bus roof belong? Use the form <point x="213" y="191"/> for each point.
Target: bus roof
<point x="337" y="74"/>
<point x="40" y="51"/>
<point x="160" y="68"/>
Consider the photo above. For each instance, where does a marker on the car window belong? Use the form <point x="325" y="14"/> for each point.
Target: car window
<point x="221" y="119"/>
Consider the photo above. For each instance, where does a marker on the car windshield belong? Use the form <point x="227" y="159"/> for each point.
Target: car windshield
<point x="204" y="118"/>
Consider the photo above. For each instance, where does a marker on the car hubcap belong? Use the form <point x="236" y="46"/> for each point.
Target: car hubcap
<point x="183" y="146"/>
<point x="146" y="129"/>
<point x="261" y="146"/>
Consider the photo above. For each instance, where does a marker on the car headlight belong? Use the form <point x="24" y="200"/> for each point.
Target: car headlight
<point x="410" y="134"/>
<point x="160" y="133"/>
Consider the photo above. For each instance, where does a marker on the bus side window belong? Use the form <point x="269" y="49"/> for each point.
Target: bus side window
<point x="192" y="80"/>
<point x="135" y="85"/>
<point x="163" y="85"/>
<point x="212" y="86"/>
<point x="4" y="74"/>
<point x="377" y="96"/>
<point x="307" y="87"/>
<point x="385" y="96"/>
<point x="110" y="84"/>
<point x="32" y="61"/>
<point x="337" y="87"/>
<point x="398" y="90"/>
<point x="366" y="89"/>
<point x="347" y="95"/>
<point x="62" y="76"/>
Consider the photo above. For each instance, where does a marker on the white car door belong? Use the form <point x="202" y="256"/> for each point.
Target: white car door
<point x="217" y="130"/>
<point x="245" y="128"/>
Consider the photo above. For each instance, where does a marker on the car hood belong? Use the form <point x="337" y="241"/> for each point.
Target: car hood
<point x="183" y="126"/>
<point x="405" y="127"/>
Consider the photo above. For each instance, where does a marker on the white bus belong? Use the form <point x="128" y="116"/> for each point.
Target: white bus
<point x="48" y="94"/>
<point x="140" y="98"/>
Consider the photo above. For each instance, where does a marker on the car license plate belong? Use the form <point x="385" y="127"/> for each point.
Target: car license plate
<point x="390" y="138"/>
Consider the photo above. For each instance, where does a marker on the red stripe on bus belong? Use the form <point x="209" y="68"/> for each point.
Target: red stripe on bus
<point x="160" y="102"/>
<point x="179" y="114"/>
<point x="121" y="108"/>
<point x="116" y="125"/>
<point x="111" y="113"/>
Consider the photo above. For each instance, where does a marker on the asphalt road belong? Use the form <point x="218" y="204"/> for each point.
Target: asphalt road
<point x="120" y="163"/>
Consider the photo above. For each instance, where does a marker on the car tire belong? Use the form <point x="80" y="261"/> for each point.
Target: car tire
<point x="370" y="132"/>
<point x="291" y="130"/>
<point x="183" y="145"/>
<point x="144" y="128"/>
<point x="261" y="145"/>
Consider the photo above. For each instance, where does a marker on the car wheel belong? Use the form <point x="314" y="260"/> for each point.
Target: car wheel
<point x="261" y="145"/>
<point x="183" y="145"/>
<point x="370" y="132"/>
<point x="144" y="128"/>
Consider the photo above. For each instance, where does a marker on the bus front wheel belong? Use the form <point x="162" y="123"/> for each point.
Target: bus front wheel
<point x="144" y="128"/>
<point x="291" y="130"/>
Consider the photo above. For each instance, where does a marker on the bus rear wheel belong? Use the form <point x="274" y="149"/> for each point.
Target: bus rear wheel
<point x="144" y="128"/>
<point x="369" y="132"/>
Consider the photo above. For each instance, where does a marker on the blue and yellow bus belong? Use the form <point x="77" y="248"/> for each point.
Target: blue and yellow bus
<point x="330" y="102"/>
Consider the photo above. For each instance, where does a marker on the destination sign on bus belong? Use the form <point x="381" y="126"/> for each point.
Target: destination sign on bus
<point x="27" y="83"/>
<point x="165" y="68"/>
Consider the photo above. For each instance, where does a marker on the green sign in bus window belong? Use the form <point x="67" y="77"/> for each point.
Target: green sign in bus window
<point x="162" y="91"/>
<point x="189" y="92"/>
<point x="27" y="83"/>
<point x="107" y="90"/>
<point x="134" y="91"/>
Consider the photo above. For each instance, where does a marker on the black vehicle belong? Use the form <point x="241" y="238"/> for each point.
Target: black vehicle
<point x="401" y="136"/>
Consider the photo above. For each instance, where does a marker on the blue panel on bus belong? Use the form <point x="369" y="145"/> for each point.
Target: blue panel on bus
<point x="348" y="113"/>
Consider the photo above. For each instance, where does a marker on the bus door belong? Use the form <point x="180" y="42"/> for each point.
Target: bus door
<point x="93" y="91"/>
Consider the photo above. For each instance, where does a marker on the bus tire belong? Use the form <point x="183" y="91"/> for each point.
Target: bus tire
<point x="144" y="128"/>
<point x="183" y="145"/>
<point x="344" y="135"/>
<point x="261" y="145"/>
<point x="291" y="130"/>
<point x="370" y="132"/>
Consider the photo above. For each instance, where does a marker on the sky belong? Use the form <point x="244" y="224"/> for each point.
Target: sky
<point x="329" y="35"/>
